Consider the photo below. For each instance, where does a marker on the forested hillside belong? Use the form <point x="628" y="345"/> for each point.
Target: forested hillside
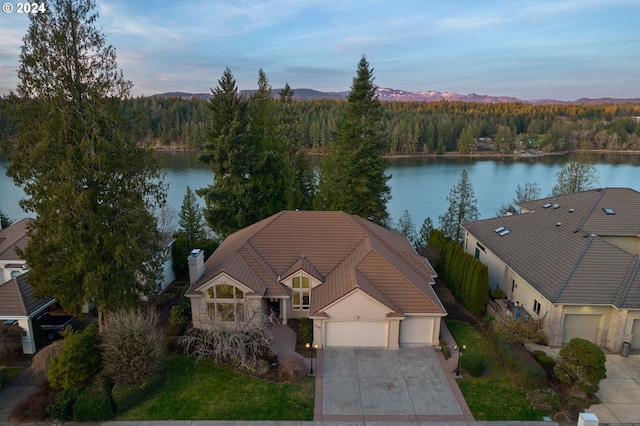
<point x="411" y="127"/>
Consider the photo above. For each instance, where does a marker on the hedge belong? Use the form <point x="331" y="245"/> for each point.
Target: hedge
<point x="472" y="364"/>
<point x="93" y="405"/>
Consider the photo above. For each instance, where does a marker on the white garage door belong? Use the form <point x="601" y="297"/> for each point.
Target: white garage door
<point x="416" y="330"/>
<point x="356" y="333"/>
<point x="635" y="331"/>
<point x="583" y="326"/>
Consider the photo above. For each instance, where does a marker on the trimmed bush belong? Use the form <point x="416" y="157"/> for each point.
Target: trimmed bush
<point x="547" y="363"/>
<point x="546" y="401"/>
<point x="178" y="315"/>
<point x="62" y="407"/>
<point x="498" y="293"/>
<point x="538" y="353"/>
<point x="582" y="364"/>
<point x="472" y="364"/>
<point x="445" y="349"/>
<point x="78" y="360"/>
<point x="93" y="405"/>
<point x="305" y="332"/>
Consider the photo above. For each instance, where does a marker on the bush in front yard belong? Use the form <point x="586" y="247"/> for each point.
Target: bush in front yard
<point x="78" y="360"/>
<point x="472" y="364"/>
<point x="292" y="369"/>
<point x="132" y="346"/>
<point x="93" y="405"/>
<point x="582" y="364"/>
<point x="10" y="342"/>
<point x="62" y="406"/>
<point x="305" y="332"/>
<point x="546" y="401"/>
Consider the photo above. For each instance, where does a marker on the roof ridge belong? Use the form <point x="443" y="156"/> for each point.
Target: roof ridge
<point x="630" y="281"/>
<point x="573" y="269"/>
<point x="587" y="215"/>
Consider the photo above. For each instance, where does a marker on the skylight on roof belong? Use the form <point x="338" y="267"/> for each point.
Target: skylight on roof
<point x="608" y="210"/>
<point x="499" y="229"/>
<point x="546" y="206"/>
<point x="505" y="232"/>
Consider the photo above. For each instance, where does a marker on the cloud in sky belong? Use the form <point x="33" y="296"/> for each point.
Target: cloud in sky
<point x="562" y="49"/>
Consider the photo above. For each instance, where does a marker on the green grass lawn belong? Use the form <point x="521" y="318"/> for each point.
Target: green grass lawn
<point x="209" y="391"/>
<point x="493" y="396"/>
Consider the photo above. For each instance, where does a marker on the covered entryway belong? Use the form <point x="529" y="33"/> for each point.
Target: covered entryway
<point x="582" y="326"/>
<point x="416" y="330"/>
<point x="356" y="333"/>
<point x="635" y="332"/>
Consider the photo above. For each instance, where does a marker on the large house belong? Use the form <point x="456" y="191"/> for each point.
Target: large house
<point x="360" y="283"/>
<point x="572" y="260"/>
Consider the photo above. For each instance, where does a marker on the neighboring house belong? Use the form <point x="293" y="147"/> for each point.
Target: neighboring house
<point x="16" y="295"/>
<point x="168" y="275"/>
<point x="360" y="283"/>
<point x="572" y="260"/>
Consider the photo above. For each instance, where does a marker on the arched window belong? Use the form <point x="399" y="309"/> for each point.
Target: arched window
<point x="225" y="303"/>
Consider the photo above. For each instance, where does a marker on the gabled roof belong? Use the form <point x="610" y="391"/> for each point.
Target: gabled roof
<point x="12" y="237"/>
<point x="565" y="246"/>
<point x="17" y="300"/>
<point x="342" y="251"/>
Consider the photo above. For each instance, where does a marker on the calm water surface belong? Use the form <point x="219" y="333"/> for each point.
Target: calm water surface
<point x="420" y="185"/>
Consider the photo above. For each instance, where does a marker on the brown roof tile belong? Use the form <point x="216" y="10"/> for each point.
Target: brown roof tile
<point x="12" y="237"/>
<point x="17" y="300"/>
<point x="345" y="251"/>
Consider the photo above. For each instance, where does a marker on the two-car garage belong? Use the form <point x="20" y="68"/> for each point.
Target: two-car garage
<point x="417" y="330"/>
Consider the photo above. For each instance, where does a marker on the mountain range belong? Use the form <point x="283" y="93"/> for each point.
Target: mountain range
<point x="385" y="94"/>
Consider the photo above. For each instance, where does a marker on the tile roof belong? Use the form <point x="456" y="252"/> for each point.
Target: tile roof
<point x="567" y="250"/>
<point x="12" y="237"/>
<point x="344" y="252"/>
<point x="17" y="300"/>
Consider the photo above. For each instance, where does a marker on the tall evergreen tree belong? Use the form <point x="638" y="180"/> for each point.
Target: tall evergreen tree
<point x="232" y="155"/>
<point x="5" y="221"/>
<point x="298" y="174"/>
<point x="423" y="235"/>
<point x="352" y="175"/>
<point x="190" y="218"/>
<point x="462" y="208"/>
<point x="92" y="187"/>
<point x="406" y="227"/>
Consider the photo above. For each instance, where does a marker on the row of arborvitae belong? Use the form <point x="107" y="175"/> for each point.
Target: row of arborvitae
<point x="466" y="277"/>
<point x="98" y="374"/>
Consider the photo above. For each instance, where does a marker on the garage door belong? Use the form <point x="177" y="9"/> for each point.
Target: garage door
<point x="583" y="326"/>
<point x="356" y="333"/>
<point x="416" y="330"/>
<point x="635" y="331"/>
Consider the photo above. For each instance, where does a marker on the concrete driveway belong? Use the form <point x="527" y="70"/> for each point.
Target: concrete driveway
<point x="369" y="384"/>
<point x="620" y="392"/>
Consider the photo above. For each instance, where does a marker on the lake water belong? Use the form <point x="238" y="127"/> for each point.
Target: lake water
<point x="420" y="185"/>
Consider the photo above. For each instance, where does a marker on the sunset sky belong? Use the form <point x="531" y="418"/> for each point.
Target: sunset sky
<point x="559" y="49"/>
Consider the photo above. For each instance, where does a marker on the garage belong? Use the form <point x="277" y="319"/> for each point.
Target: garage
<point x="356" y="333"/>
<point x="416" y="330"/>
<point x="635" y="333"/>
<point x="582" y="326"/>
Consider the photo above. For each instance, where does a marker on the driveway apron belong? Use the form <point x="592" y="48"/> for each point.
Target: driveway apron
<point x="386" y="384"/>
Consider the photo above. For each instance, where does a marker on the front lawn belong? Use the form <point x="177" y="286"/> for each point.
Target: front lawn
<point x="210" y="391"/>
<point x="493" y="396"/>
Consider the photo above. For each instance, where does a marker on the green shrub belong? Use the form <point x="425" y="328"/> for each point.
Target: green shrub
<point x="93" y="405"/>
<point x="178" y="315"/>
<point x="132" y="346"/>
<point x="546" y="401"/>
<point x="498" y="293"/>
<point x="445" y="349"/>
<point x="582" y="364"/>
<point x="78" y="360"/>
<point x="305" y="332"/>
<point x="472" y="364"/>
<point x="62" y="406"/>
<point x="538" y="353"/>
<point x="547" y="363"/>
<point x="176" y="329"/>
<point x="3" y="375"/>
<point x="10" y="342"/>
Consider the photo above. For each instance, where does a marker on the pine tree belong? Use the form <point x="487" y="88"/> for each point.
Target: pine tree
<point x="232" y="155"/>
<point x="190" y="218"/>
<point x="406" y="227"/>
<point x="423" y="235"/>
<point x="92" y="188"/>
<point x="352" y="175"/>
<point x="462" y="208"/>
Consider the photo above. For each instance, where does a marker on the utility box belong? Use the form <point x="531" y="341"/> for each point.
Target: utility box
<point x="626" y="348"/>
<point x="588" y="419"/>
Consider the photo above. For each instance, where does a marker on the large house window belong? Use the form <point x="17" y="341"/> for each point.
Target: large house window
<point x="225" y="303"/>
<point x="301" y="293"/>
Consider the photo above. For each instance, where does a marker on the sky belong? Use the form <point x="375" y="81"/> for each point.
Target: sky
<point x="529" y="49"/>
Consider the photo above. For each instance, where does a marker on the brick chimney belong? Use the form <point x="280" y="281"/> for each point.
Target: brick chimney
<point x="196" y="265"/>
